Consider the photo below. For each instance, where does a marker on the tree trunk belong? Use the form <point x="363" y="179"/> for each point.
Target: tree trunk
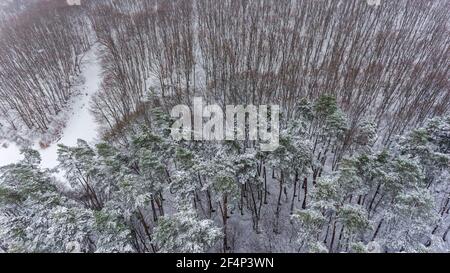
<point x="294" y="195"/>
<point x="377" y="230"/>
<point x="155" y="216"/>
<point x="225" y="223"/>
<point x="277" y="213"/>
<point x="305" y="187"/>
<point x="333" y="236"/>
<point x="265" y="186"/>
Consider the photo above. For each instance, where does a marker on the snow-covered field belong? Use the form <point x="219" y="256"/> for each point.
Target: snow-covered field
<point x="9" y="153"/>
<point x="80" y="125"/>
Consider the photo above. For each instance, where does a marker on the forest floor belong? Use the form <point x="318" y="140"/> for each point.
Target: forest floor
<point x="80" y="123"/>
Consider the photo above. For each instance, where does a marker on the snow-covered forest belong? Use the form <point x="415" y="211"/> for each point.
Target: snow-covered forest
<point x="88" y="164"/>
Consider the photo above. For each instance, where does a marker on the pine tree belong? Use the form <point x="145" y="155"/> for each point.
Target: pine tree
<point x="184" y="232"/>
<point x="35" y="216"/>
<point x="83" y="174"/>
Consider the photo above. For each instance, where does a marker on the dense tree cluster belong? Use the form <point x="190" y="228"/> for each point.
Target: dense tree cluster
<point x="144" y="47"/>
<point x="388" y="61"/>
<point x="41" y="50"/>
<point x="364" y="156"/>
<point x="157" y="195"/>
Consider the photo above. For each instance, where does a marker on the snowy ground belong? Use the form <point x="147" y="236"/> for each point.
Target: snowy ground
<point x="9" y="153"/>
<point x="80" y="125"/>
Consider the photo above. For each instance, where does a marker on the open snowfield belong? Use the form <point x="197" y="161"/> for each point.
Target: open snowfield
<point x="10" y="153"/>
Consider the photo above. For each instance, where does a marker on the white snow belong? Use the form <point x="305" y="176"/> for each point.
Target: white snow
<point x="80" y="125"/>
<point x="374" y="2"/>
<point x="74" y="2"/>
<point x="10" y="153"/>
